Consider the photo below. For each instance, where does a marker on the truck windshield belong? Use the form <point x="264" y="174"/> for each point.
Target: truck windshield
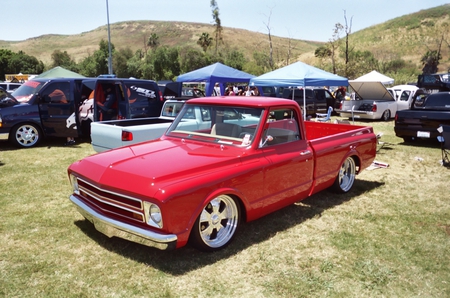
<point x="27" y="90"/>
<point x="218" y="124"/>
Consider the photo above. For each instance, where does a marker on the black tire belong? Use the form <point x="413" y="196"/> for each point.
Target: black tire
<point x="25" y="135"/>
<point x="216" y="225"/>
<point x="346" y="176"/>
<point x="386" y="115"/>
<point x="408" y="139"/>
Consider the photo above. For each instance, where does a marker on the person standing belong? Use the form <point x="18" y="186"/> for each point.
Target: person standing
<point x="216" y="91"/>
<point x="106" y="108"/>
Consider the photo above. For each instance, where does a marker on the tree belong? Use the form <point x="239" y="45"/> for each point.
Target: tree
<point x="235" y="59"/>
<point x="218" y="24"/>
<point x="153" y="41"/>
<point x="23" y="63"/>
<point x="271" y="63"/>
<point x="430" y="61"/>
<point x="101" y="57"/>
<point x="334" y="43"/>
<point x="192" y="59"/>
<point x="205" y="41"/>
<point x="121" y="57"/>
<point x="63" y="59"/>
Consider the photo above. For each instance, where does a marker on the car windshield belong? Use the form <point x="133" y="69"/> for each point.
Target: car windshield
<point x="217" y="124"/>
<point x="27" y="90"/>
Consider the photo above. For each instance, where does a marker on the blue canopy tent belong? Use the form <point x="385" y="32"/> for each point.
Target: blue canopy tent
<point x="298" y="74"/>
<point x="215" y="73"/>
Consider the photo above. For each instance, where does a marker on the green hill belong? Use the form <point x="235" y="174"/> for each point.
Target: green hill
<point x="407" y="37"/>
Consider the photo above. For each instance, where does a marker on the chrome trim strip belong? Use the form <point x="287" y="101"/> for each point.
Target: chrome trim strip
<point x="114" y="228"/>
<point x="4" y="136"/>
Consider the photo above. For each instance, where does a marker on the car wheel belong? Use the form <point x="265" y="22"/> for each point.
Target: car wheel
<point x="408" y="139"/>
<point x="25" y="135"/>
<point x="386" y="115"/>
<point x="346" y="176"/>
<point x="216" y="225"/>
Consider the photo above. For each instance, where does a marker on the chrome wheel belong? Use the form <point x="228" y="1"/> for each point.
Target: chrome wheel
<point x="26" y="135"/>
<point x="346" y="176"/>
<point x="217" y="224"/>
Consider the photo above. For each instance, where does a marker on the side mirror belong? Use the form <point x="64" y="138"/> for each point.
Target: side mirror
<point x="269" y="138"/>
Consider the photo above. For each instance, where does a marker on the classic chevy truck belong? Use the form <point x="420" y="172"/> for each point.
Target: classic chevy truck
<point x="250" y="156"/>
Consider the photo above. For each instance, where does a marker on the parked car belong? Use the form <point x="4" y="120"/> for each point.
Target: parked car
<point x="372" y="101"/>
<point x="106" y="135"/>
<point x="249" y="157"/>
<point x="38" y="113"/>
<point x="317" y="99"/>
<point x="427" y="113"/>
<point x="9" y="87"/>
<point x="404" y="95"/>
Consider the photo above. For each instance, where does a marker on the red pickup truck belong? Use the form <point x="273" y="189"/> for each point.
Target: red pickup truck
<point x="199" y="181"/>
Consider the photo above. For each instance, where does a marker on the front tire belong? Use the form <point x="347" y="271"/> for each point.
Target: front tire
<point x="346" y="176"/>
<point x="216" y="225"/>
<point x="25" y="135"/>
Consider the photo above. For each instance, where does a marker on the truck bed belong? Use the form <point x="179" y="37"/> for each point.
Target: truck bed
<point x="106" y="135"/>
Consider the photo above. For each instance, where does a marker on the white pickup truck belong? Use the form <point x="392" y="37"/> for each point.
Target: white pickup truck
<point x="111" y="134"/>
<point x="373" y="101"/>
<point x="404" y="95"/>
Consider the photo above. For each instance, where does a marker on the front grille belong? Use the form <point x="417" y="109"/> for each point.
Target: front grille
<point x="110" y="203"/>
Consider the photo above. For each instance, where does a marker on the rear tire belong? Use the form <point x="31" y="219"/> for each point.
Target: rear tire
<point x="25" y="135"/>
<point x="346" y="176"/>
<point x="386" y="115"/>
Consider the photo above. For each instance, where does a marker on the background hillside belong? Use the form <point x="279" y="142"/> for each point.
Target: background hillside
<point x="408" y="37"/>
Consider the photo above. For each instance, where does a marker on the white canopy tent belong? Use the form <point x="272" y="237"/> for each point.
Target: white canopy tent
<point x="375" y="76"/>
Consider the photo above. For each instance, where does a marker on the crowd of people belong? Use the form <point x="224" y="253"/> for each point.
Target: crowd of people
<point x="234" y="90"/>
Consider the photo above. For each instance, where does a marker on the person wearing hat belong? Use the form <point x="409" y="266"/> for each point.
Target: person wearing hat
<point x="216" y="91"/>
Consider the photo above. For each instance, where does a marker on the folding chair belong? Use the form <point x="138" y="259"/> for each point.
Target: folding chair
<point x="444" y="139"/>
<point x="324" y="117"/>
<point x="380" y="143"/>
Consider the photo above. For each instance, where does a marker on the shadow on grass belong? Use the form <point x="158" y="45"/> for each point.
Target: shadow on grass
<point x="186" y="259"/>
<point x="424" y="143"/>
<point x="48" y="142"/>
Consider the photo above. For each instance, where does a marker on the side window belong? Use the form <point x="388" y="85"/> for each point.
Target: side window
<point x="57" y="93"/>
<point x="282" y="127"/>
<point x="404" y="96"/>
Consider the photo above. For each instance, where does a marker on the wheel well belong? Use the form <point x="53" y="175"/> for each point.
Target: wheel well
<point x="357" y="162"/>
<point x="241" y="206"/>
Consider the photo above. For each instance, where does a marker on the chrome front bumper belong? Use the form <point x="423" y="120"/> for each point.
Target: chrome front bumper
<point x="4" y="136"/>
<point x="114" y="228"/>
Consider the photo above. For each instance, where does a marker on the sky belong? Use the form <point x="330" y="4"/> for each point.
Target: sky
<point x="298" y="19"/>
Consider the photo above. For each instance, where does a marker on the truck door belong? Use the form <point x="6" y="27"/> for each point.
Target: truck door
<point x="144" y="98"/>
<point x="57" y="110"/>
<point x="289" y="172"/>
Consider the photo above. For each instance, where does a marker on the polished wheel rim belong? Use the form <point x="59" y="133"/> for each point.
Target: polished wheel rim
<point x="218" y="221"/>
<point x="386" y="115"/>
<point x="27" y="135"/>
<point x="347" y="174"/>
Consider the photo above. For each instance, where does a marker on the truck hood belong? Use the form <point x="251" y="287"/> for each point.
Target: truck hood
<point x="147" y="167"/>
<point x="370" y="90"/>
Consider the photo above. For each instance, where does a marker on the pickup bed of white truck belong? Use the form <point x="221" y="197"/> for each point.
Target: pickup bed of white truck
<point x="373" y="101"/>
<point x="111" y="134"/>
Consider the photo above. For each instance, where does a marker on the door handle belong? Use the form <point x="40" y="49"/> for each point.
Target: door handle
<point x="306" y="152"/>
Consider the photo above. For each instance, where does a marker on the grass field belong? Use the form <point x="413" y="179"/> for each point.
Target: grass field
<point x="388" y="237"/>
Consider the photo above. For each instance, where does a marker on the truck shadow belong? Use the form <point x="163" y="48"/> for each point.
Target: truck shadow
<point x="186" y="259"/>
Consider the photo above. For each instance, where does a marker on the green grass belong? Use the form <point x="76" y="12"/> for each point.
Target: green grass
<point x="388" y="237"/>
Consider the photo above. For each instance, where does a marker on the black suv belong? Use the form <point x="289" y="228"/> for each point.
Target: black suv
<point x="317" y="99"/>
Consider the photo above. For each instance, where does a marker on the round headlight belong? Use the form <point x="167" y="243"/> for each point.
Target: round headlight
<point x="155" y="214"/>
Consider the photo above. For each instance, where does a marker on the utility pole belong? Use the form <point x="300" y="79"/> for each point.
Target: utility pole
<point x="110" y="70"/>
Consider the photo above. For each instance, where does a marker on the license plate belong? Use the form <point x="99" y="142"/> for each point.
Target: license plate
<point x="423" y="134"/>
